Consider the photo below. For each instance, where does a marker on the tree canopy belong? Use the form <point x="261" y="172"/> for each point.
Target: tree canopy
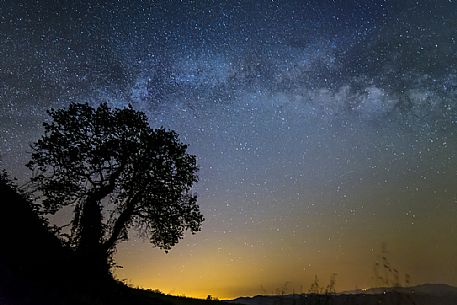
<point x="117" y="173"/>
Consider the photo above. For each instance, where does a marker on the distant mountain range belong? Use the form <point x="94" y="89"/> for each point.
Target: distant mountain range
<point x="427" y="289"/>
<point x="426" y="294"/>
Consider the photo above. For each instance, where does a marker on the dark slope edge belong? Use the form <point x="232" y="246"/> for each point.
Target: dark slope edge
<point x="37" y="269"/>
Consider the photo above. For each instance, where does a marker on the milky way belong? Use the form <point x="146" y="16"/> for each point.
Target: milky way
<point x="323" y="129"/>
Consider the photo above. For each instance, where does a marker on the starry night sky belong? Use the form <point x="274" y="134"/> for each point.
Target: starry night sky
<point x="323" y="129"/>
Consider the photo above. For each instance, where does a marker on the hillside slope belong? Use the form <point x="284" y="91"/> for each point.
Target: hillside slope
<point x="36" y="268"/>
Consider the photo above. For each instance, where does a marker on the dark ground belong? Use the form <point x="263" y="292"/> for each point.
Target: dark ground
<point x="37" y="269"/>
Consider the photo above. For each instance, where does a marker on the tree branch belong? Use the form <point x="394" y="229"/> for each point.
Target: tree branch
<point x="120" y="223"/>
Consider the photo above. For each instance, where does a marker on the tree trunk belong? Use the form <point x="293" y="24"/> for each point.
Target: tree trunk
<point x="93" y="258"/>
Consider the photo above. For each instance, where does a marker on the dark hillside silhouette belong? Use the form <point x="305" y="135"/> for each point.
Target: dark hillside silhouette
<point x="32" y="258"/>
<point x="36" y="268"/>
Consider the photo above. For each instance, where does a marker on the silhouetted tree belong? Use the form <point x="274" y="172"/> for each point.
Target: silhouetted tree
<point x="116" y="173"/>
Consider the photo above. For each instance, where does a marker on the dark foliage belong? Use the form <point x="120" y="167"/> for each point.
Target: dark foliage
<point x="116" y="173"/>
